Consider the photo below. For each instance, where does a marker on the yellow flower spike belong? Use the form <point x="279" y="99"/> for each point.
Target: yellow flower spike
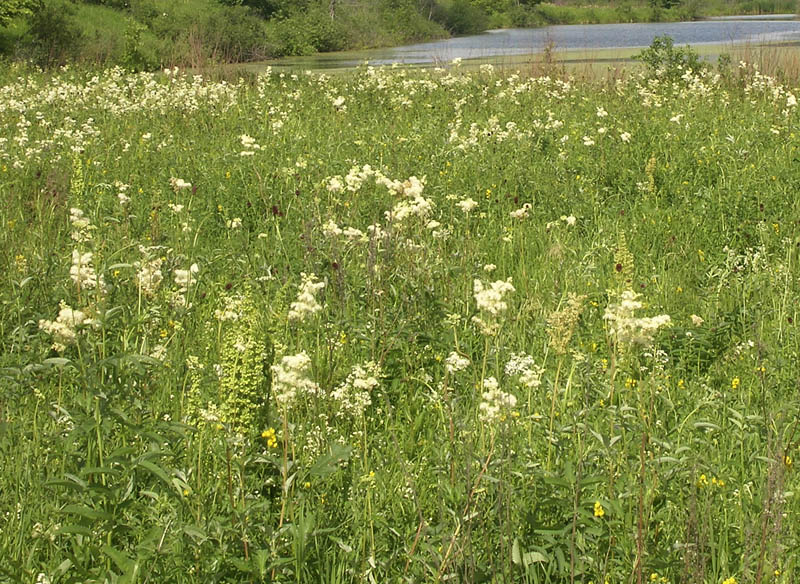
<point x="735" y="382"/>
<point x="598" y="509"/>
<point x="787" y="461"/>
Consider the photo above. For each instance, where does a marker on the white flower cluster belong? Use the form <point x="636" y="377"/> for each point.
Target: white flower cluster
<point x="353" y="395"/>
<point x="523" y="365"/>
<point x="522" y="212"/>
<point x="249" y="145"/>
<point x="455" y="363"/>
<point x="231" y="310"/>
<point x="306" y="303"/>
<point x="467" y="205"/>
<point x="491" y="302"/>
<point x="291" y="379"/>
<point x="149" y="276"/>
<point x="184" y="279"/>
<point x="178" y="184"/>
<point x="82" y="272"/>
<point x="338" y="104"/>
<point x="81" y="226"/>
<point x="413" y="203"/>
<point x="122" y="190"/>
<point x="626" y="328"/>
<point x="330" y="229"/>
<point x="64" y="328"/>
<point x="496" y="403"/>
<point x="490" y="299"/>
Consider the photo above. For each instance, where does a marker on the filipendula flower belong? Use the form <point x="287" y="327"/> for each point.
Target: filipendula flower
<point x="291" y="380"/>
<point x="626" y="328"/>
<point x="496" y="403"/>
<point x="455" y="363"/>
<point x="64" y="329"/>
<point x="491" y="302"/>
<point x="354" y="395"/>
<point x="306" y="304"/>
<point x="82" y="272"/>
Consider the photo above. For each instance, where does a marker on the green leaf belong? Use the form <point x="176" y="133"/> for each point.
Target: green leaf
<point x="74" y="529"/>
<point x="515" y="555"/>
<point x="120" y="559"/>
<point x="196" y="533"/>
<point x="66" y="484"/>
<point x="87" y="512"/>
<point x="107" y="470"/>
<point x="328" y="464"/>
<point x="56" y="361"/>
<point x="156" y="470"/>
<point x="705" y="426"/>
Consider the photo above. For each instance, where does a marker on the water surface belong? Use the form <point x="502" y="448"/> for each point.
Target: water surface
<point x="752" y="30"/>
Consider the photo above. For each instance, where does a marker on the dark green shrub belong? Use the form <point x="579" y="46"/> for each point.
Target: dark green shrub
<point x="460" y="17"/>
<point x="136" y="57"/>
<point x="663" y="60"/>
<point x="55" y="36"/>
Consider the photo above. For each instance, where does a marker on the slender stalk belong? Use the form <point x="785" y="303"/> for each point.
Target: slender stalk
<point x="553" y="412"/>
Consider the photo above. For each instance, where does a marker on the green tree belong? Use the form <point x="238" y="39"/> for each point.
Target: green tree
<point x="273" y="8"/>
<point x="12" y="8"/>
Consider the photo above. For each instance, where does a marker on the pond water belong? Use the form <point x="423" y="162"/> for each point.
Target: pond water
<point x="753" y="30"/>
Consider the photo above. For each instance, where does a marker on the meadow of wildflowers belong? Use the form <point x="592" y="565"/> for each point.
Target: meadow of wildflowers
<point x="399" y="326"/>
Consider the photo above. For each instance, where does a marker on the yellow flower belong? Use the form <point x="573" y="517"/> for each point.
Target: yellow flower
<point x="730" y="580"/>
<point x="735" y="382"/>
<point x="598" y="509"/>
<point x="702" y="481"/>
<point x="269" y="436"/>
<point x="787" y="461"/>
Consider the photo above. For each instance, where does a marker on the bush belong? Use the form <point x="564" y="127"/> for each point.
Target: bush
<point x="461" y="17"/>
<point x="663" y="60"/>
<point x="305" y="34"/>
<point x="55" y="36"/>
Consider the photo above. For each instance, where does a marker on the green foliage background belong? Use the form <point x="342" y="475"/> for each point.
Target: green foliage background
<point x="150" y="34"/>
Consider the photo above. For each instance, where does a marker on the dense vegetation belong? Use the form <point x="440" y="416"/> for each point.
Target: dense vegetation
<point x="400" y="326"/>
<point x="152" y="34"/>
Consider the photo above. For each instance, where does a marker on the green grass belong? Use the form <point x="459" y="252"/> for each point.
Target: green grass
<point x="163" y="443"/>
